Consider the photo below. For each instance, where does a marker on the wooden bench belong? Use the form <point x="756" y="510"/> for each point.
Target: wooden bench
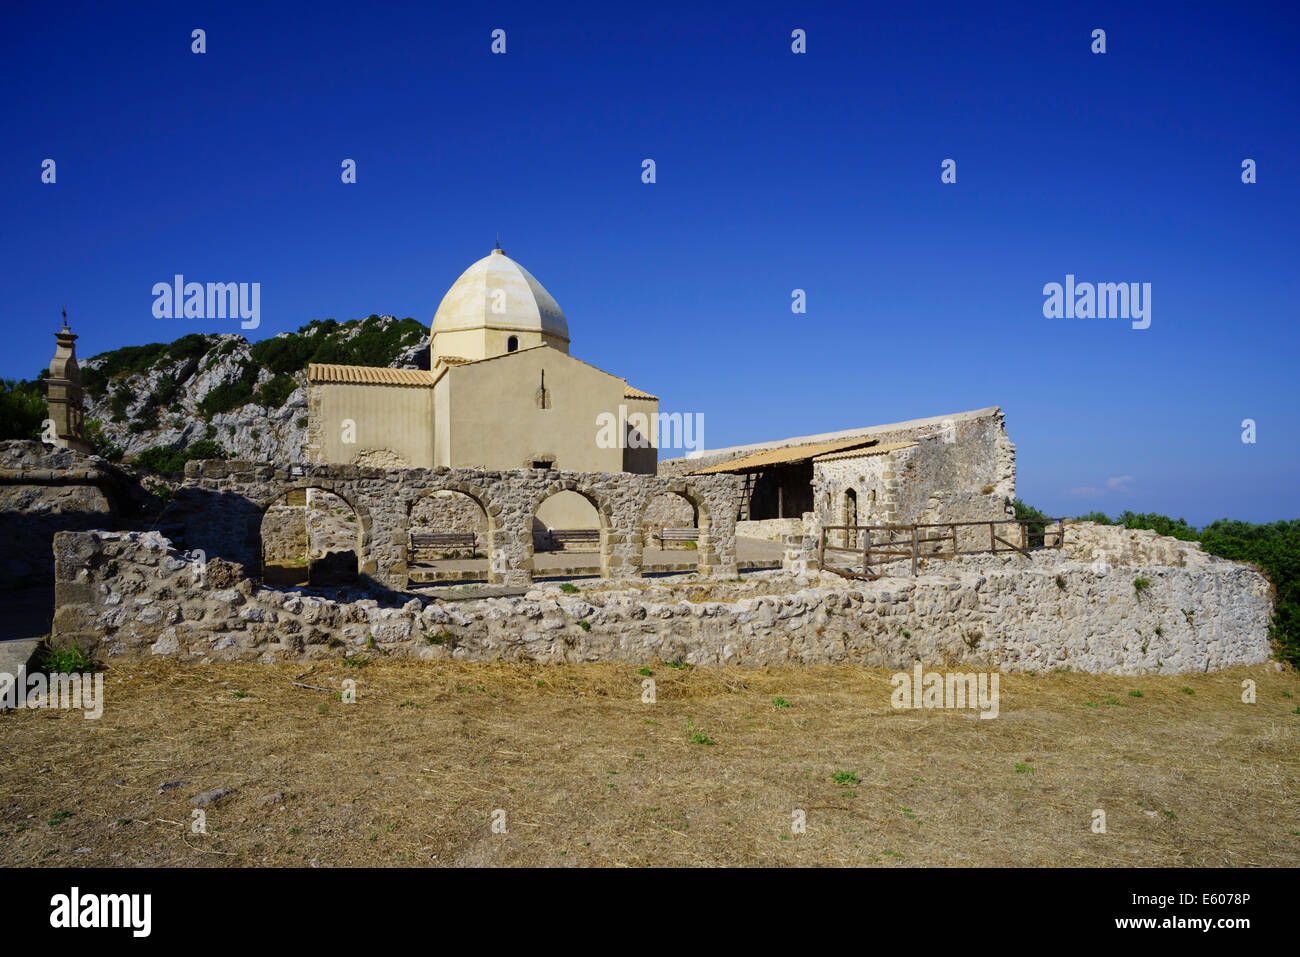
<point x="679" y="535"/>
<point x="564" y="537"/>
<point x="438" y="541"/>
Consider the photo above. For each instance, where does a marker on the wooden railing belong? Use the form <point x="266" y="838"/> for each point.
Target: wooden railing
<point x="880" y="544"/>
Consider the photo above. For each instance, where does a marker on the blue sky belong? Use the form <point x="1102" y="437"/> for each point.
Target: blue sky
<point x="775" y="171"/>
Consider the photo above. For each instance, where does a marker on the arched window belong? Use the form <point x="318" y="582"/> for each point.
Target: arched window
<point x="512" y="344"/>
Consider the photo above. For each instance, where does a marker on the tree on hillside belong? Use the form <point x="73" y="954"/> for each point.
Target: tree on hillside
<point x="22" y="409"/>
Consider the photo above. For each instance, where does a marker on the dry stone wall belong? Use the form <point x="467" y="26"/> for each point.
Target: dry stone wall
<point x="769" y="529"/>
<point x="44" y="490"/>
<point x="284" y="533"/>
<point x="132" y="595"/>
<point x="449" y="512"/>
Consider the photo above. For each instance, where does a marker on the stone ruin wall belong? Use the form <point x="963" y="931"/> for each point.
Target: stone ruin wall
<point x="985" y="453"/>
<point x="966" y="479"/>
<point x="769" y="529"/>
<point x="451" y="512"/>
<point x="666" y="511"/>
<point x="131" y="595"/>
<point x="43" y="491"/>
<point x="284" y="534"/>
<point x="331" y="524"/>
<point x="219" y="511"/>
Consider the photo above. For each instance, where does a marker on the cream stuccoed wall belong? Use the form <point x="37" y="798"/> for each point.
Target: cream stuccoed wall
<point x="567" y="510"/>
<point x="643" y="461"/>
<point x="488" y="341"/>
<point x="496" y="422"/>
<point x="388" y="418"/>
<point x="442" y="422"/>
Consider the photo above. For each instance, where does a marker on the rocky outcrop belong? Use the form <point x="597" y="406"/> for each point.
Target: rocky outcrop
<point x="162" y="405"/>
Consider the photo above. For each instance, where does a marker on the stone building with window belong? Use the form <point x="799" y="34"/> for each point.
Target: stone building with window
<point x="950" y="468"/>
<point x="502" y="392"/>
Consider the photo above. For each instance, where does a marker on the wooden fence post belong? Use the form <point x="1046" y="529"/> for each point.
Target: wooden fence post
<point x="915" y="546"/>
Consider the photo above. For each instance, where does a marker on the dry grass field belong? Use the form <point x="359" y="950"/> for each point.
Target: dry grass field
<point x="587" y="774"/>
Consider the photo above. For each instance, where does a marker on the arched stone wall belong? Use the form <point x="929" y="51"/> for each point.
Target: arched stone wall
<point x="707" y="554"/>
<point x="219" y="510"/>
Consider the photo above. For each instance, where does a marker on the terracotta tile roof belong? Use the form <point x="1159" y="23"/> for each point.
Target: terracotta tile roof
<point x="873" y="450"/>
<point x="373" y="375"/>
<point x="783" y="456"/>
<point x="633" y="393"/>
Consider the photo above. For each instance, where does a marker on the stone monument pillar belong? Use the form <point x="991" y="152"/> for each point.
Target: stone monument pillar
<point x="63" y="393"/>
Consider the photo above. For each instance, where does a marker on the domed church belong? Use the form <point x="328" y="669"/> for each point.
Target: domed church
<point x="502" y="392"/>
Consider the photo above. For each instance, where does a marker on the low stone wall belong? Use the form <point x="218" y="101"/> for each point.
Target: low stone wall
<point x="131" y="595"/>
<point x="770" y="529"/>
<point x="1115" y="545"/>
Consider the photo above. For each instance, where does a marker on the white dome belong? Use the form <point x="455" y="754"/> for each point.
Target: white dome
<point x="496" y="292"/>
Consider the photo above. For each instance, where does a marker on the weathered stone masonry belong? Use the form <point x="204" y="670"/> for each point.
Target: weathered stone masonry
<point x="43" y="491"/>
<point x="219" y="511"/>
<point x="131" y="595"/>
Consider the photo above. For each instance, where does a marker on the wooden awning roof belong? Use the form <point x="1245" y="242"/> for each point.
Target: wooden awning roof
<point x="783" y="456"/>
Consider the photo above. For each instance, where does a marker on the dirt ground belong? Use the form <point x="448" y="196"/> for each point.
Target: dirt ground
<point x="712" y="773"/>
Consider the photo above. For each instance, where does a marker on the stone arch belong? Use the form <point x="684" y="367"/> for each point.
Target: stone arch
<point x="703" y="521"/>
<point x="848" y="515"/>
<point x="665" y="509"/>
<point x="604" y="513"/>
<point x="282" y="494"/>
<point x="485" y="541"/>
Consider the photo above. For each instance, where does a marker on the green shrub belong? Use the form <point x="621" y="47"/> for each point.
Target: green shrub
<point x="165" y="391"/>
<point x="94" y="382"/>
<point x="206" y="449"/>
<point x="66" y="661"/>
<point x="276" y="390"/>
<point x="99" y="444"/>
<point x="121" y="400"/>
<point x="147" y="422"/>
<point x="163" y="458"/>
<point x="130" y="360"/>
<point x="284" y="356"/>
<point x="230" y="395"/>
<point x="22" y="409"/>
<point x="192" y="346"/>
